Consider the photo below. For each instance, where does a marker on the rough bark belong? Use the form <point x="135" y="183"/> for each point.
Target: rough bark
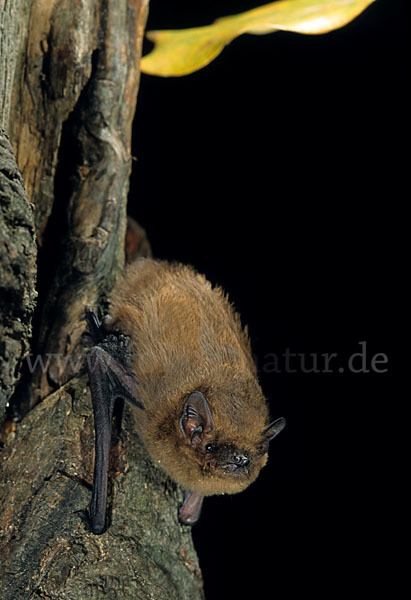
<point x="68" y="104"/>
<point x="70" y="124"/>
<point x="46" y="549"/>
<point x="18" y="272"/>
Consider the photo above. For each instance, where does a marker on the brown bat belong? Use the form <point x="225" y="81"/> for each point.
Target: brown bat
<point x="174" y="347"/>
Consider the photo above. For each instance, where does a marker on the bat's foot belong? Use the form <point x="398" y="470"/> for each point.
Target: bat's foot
<point x="95" y="328"/>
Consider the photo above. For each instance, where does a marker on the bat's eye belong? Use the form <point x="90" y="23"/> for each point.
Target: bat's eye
<point x="209" y="448"/>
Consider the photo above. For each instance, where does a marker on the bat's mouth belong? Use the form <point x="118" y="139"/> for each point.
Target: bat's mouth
<point x="237" y="463"/>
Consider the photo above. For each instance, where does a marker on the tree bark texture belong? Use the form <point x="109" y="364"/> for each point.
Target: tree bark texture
<point x="70" y="124"/>
<point x="46" y="549"/>
<point x="68" y="87"/>
<point x="18" y="253"/>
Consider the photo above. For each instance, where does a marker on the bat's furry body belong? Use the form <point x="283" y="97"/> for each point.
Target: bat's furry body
<point x="206" y="422"/>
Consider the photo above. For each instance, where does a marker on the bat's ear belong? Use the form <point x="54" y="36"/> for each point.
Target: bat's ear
<point x="196" y="419"/>
<point x="273" y="429"/>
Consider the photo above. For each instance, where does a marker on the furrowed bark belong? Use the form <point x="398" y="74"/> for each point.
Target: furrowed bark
<point x="18" y="272"/>
<point x="46" y="549"/>
<point x="72" y="133"/>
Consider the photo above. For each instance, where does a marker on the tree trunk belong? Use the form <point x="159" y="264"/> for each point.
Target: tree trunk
<point x="69" y="73"/>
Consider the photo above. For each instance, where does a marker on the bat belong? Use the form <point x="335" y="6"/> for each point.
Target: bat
<point x="174" y="347"/>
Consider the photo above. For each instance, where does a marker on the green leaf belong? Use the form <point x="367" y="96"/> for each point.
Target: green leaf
<point x="183" y="51"/>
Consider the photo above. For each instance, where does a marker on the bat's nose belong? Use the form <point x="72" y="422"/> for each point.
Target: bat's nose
<point x="240" y="460"/>
<point x="236" y="461"/>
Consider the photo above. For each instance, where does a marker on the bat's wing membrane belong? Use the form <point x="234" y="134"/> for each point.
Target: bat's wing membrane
<point x="109" y="380"/>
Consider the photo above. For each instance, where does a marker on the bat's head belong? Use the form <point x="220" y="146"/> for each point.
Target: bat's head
<point x="221" y="453"/>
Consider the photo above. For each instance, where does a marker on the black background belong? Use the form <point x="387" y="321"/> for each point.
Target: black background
<point x="279" y="171"/>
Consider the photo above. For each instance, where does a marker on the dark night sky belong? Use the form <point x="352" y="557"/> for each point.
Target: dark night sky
<point x="279" y="171"/>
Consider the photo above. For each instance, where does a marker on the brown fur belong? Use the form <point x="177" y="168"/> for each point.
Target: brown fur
<point x="186" y="337"/>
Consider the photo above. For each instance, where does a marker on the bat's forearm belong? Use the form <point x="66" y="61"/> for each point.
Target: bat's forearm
<point x="109" y="380"/>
